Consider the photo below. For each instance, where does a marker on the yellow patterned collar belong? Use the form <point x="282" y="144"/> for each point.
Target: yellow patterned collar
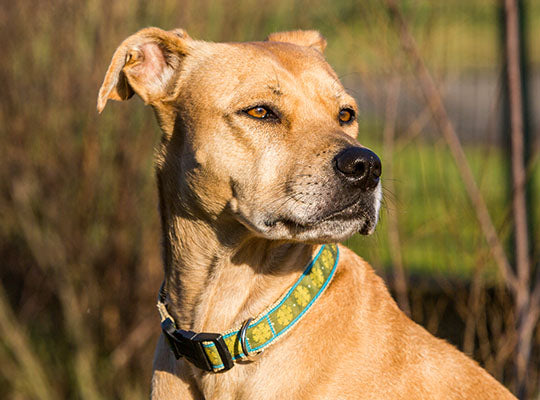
<point x="218" y="352"/>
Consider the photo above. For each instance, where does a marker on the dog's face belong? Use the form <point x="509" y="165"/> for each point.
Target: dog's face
<point x="261" y="132"/>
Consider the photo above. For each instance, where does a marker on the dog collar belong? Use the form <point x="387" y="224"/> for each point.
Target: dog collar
<point x="216" y="352"/>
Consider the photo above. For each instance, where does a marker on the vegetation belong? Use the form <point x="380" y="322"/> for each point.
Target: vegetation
<point x="438" y="225"/>
<point x="79" y="238"/>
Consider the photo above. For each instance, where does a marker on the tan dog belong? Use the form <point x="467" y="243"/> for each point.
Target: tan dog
<point x="258" y="164"/>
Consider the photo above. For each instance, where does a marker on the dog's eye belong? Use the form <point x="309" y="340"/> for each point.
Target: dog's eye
<point x="346" y="116"/>
<point x="258" y="112"/>
<point x="261" y="112"/>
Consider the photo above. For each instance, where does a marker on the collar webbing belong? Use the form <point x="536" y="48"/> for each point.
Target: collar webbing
<point x="268" y="327"/>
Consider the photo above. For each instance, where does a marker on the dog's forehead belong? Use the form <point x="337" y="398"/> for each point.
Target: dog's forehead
<point x="274" y="65"/>
<point x="296" y="59"/>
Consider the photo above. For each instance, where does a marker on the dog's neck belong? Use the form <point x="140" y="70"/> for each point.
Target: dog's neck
<point x="214" y="284"/>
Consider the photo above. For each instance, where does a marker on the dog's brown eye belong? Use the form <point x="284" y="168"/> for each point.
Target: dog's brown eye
<point x="258" y="112"/>
<point x="262" y="112"/>
<point x="346" y="115"/>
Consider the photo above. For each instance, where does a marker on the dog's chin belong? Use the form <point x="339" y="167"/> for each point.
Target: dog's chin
<point x="335" y="228"/>
<point x="328" y="231"/>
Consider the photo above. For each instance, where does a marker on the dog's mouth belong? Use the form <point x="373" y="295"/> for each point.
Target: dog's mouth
<point x="357" y="216"/>
<point x="366" y="227"/>
<point x="343" y="214"/>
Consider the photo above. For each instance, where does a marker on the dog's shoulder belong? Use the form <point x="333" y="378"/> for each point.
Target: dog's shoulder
<point x="370" y="319"/>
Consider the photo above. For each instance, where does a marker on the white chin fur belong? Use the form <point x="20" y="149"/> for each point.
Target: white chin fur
<point x="377" y="205"/>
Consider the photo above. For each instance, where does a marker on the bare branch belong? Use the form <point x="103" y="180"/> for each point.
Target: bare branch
<point x="400" y="279"/>
<point x="525" y="312"/>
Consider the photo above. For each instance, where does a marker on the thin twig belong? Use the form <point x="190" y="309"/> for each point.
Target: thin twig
<point x="474" y="304"/>
<point x="400" y="280"/>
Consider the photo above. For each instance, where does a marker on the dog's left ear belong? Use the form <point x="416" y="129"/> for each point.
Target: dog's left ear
<point x="311" y="39"/>
<point x="146" y="63"/>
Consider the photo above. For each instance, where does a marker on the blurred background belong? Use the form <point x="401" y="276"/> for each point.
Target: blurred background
<point x="442" y="87"/>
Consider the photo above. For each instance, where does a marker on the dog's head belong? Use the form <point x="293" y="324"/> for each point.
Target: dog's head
<point x="260" y="133"/>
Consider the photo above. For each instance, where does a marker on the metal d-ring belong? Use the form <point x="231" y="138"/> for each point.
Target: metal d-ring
<point x="243" y="342"/>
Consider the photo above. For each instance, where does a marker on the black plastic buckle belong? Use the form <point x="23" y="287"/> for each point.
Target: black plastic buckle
<point x="190" y="345"/>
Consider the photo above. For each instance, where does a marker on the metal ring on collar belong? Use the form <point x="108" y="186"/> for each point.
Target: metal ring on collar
<point x="243" y="342"/>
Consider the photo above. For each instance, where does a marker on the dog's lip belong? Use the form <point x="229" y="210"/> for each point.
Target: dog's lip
<point x="342" y="213"/>
<point x="367" y="227"/>
<point x="359" y="215"/>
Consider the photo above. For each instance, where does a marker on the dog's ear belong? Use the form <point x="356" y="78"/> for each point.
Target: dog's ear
<point x="146" y="63"/>
<point x="302" y="38"/>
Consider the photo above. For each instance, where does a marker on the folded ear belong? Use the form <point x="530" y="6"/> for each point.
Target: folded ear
<point x="301" y="38"/>
<point x="146" y="63"/>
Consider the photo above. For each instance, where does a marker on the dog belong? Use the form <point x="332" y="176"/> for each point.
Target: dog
<point x="258" y="168"/>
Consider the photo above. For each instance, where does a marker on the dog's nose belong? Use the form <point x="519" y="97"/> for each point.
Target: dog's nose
<point x="360" y="166"/>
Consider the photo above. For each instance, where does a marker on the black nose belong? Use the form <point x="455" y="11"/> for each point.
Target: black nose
<point x="360" y="166"/>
